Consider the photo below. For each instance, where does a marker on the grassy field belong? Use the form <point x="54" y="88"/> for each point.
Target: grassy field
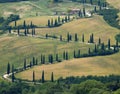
<point x="39" y="7"/>
<point x="86" y="26"/>
<point x="14" y="49"/>
<point x="114" y="3"/>
<point x="77" y="67"/>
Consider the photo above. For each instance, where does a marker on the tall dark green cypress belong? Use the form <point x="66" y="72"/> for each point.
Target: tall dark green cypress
<point x="109" y="44"/>
<point x="89" y="51"/>
<point x="57" y="57"/>
<point x="95" y="49"/>
<point x="8" y="68"/>
<point x="13" y="76"/>
<point x="68" y="37"/>
<point x="43" y="78"/>
<point x="52" y="77"/>
<point x="30" y="64"/>
<point x="99" y="41"/>
<point x="18" y="31"/>
<point x="66" y="56"/>
<point x="82" y="37"/>
<point x="84" y="12"/>
<point x="33" y="61"/>
<point x="33" y="79"/>
<point x="102" y="46"/>
<point x="76" y="37"/>
<point x="25" y="64"/>
<point x="24" y="24"/>
<point x="60" y="37"/>
<point x="49" y="23"/>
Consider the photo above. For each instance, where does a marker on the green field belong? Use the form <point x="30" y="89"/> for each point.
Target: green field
<point x="86" y="26"/>
<point x="39" y="7"/>
<point x="99" y="66"/>
<point x="15" y="48"/>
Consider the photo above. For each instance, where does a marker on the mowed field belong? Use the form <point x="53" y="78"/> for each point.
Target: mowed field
<point x="114" y="3"/>
<point x="99" y="66"/>
<point x="14" y="49"/>
<point x="86" y="26"/>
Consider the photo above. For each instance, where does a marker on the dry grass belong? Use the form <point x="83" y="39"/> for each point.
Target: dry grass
<point x="95" y="25"/>
<point x="14" y="49"/>
<point x="77" y="67"/>
<point x="114" y="3"/>
<point x="86" y="26"/>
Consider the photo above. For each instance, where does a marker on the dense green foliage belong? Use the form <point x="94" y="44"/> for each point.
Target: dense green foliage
<point x="111" y="17"/>
<point x="117" y="37"/>
<point x="4" y="1"/>
<point x="70" y="85"/>
<point x="4" y="23"/>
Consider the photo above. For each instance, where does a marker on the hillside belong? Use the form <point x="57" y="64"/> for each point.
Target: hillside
<point x="86" y="26"/>
<point x="102" y="65"/>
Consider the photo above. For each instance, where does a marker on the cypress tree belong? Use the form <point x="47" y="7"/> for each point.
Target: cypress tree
<point x="46" y="36"/>
<point x="51" y="59"/>
<point x="48" y="23"/>
<point x="57" y="58"/>
<point x="84" y="12"/>
<point x="60" y="37"/>
<point x="95" y="9"/>
<point x="9" y="29"/>
<point x="68" y="37"/>
<point x="8" y="68"/>
<point x="24" y="24"/>
<point x="15" y="23"/>
<point x="43" y="78"/>
<point x="79" y="53"/>
<point x="32" y="31"/>
<point x="56" y="23"/>
<point x="18" y="31"/>
<point x="25" y="64"/>
<point x="109" y="44"/>
<point x="52" y="77"/>
<point x="58" y="19"/>
<point x="82" y="37"/>
<point x="31" y="25"/>
<point x="89" y="51"/>
<point x="30" y="64"/>
<point x="76" y="37"/>
<point x="91" y="2"/>
<point x="41" y="59"/>
<point x="52" y="22"/>
<point x="25" y="32"/>
<point x="80" y="13"/>
<point x="66" y="56"/>
<point x="95" y="49"/>
<point x="66" y="19"/>
<point x="99" y="41"/>
<point x="33" y="61"/>
<point x="33" y="77"/>
<point x="102" y="46"/>
<point x="13" y="76"/>
<point x="44" y="59"/>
